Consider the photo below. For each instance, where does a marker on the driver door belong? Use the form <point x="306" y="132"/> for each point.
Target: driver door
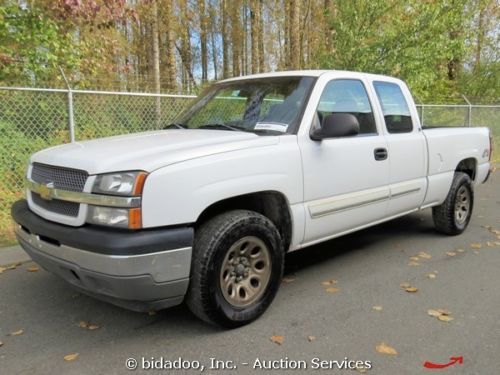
<point x="345" y="179"/>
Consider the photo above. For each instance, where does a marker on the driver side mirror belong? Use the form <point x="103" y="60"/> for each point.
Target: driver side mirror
<point x="336" y="125"/>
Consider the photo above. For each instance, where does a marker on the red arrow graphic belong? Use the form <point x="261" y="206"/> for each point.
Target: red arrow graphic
<point x="437" y="365"/>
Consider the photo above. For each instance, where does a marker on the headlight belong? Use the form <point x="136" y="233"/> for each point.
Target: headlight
<point x="123" y="183"/>
<point x="115" y="217"/>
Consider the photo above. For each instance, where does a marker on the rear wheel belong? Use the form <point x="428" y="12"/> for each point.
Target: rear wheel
<point x="453" y="216"/>
<point x="236" y="268"/>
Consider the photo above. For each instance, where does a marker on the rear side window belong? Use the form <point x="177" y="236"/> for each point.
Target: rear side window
<point x="394" y="106"/>
<point x="348" y="96"/>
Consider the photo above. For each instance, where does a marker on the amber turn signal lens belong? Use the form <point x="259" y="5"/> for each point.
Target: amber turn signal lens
<point x="139" y="183"/>
<point x="135" y="218"/>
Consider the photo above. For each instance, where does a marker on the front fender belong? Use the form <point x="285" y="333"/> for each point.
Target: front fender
<point x="178" y="194"/>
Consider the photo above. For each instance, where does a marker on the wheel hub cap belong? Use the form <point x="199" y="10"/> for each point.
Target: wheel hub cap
<point x="240" y="269"/>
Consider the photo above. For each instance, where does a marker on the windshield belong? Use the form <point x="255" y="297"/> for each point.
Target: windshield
<point x="267" y="106"/>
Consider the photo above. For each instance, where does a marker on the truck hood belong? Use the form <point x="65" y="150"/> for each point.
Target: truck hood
<point x="148" y="151"/>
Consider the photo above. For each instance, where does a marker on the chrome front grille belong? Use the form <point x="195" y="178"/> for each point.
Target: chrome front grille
<point x="56" y="206"/>
<point x="62" y="178"/>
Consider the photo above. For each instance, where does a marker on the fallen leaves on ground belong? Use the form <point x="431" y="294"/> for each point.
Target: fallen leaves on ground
<point x="13" y="266"/>
<point x="2" y="269"/>
<point x="88" y="325"/>
<point x="311" y="338"/>
<point x="1" y="343"/>
<point x="32" y="269"/>
<point x="415" y="258"/>
<point x="476" y="245"/>
<point x="16" y="333"/>
<point x="412" y="263"/>
<point x="361" y="369"/>
<point x="424" y="255"/>
<point x="377" y="308"/>
<point x="442" y="314"/>
<point x="71" y="357"/>
<point x="332" y="290"/>
<point x="444" y="311"/>
<point x="460" y="251"/>
<point x="277" y="339"/>
<point x="288" y="279"/>
<point x="491" y="229"/>
<point x="329" y="282"/>
<point x="408" y="288"/>
<point x="451" y="253"/>
<point x="383" y="348"/>
<point x="431" y="275"/>
<point x="445" y="318"/>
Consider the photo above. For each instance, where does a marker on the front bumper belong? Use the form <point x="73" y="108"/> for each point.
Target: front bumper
<point x="139" y="270"/>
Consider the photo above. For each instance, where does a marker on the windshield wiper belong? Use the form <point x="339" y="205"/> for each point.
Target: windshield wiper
<point x="175" y="125"/>
<point x="221" y="126"/>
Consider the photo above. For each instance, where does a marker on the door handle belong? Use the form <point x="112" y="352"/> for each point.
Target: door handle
<point x="380" y="153"/>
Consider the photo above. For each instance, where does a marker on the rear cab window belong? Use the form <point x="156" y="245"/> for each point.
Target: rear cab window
<point x="396" y="112"/>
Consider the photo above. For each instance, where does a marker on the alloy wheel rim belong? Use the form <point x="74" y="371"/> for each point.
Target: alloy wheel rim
<point x="245" y="271"/>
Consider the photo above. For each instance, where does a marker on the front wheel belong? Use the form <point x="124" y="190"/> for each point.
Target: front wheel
<point x="453" y="215"/>
<point x="237" y="266"/>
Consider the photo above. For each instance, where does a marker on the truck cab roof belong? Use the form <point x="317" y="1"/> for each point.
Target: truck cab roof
<point x="316" y="73"/>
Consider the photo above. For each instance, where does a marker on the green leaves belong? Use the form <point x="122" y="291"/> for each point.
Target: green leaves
<point x="31" y="45"/>
<point x="414" y="40"/>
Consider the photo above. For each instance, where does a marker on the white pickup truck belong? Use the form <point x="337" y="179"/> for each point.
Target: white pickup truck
<point x="257" y="166"/>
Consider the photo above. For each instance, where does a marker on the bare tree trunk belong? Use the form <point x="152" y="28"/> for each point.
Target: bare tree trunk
<point x="225" y="46"/>
<point x="155" y="35"/>
<point x="287" y="34"/>
<point x="187" y="75"/>
<point x="244" y="50"/>
<point x="260" y="36"/>
<point x="213" y="21"/>
<point x="254" y="29"/>
<point x="170" y="68"/>
<point x="302" y="33"/>
<point x="295" y="34"/>
<point x="236" y="38"/>
<point x="480" y="34"/>
<point x="203" y="40"/>
<point x="328" y="29"/>
<point x="185" y="50"/>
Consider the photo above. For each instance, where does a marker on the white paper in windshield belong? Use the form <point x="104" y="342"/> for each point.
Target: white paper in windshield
<point x="275" y="126"/>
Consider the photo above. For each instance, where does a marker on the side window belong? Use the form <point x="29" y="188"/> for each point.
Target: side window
<point x="394" y="106"/>
<point x="348" y="96"/>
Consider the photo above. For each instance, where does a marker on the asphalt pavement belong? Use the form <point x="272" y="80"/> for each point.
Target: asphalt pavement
<point x="324" y="311"/>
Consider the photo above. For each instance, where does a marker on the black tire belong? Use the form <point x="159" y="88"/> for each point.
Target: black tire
<point x="212" y="245"/>
<point x="445" y="215"/>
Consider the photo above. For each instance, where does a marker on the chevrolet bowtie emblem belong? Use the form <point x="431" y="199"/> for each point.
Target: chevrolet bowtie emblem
<point x="46" y="190"/>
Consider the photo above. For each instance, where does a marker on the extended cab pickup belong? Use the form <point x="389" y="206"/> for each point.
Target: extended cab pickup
<point x="257" y="166"/>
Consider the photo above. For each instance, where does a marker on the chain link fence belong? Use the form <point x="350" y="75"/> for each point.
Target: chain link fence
<point x="34" y="119"/>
